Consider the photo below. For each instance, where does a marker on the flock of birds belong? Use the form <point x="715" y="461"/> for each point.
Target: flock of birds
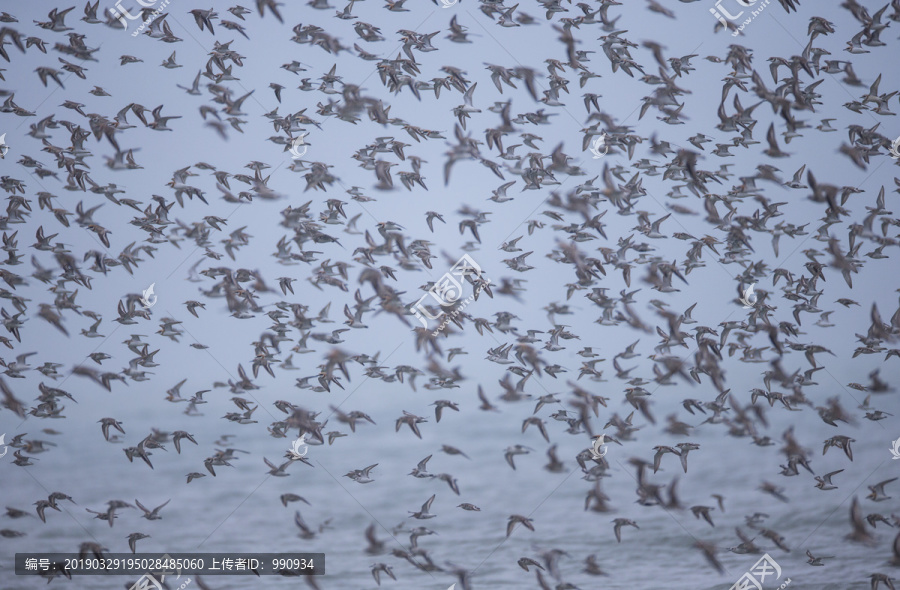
<point x="618" y="254"/>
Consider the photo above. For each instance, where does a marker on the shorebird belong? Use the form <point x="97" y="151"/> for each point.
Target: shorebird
<point x="412" y="421"/>
<point x="877" y="491"/>
<point x="816" y="560"/>
<point x="133" y="538"/>
<point x="379" y="568"/>
<point x="107" y="423"/>
<point x="361" y="475"/>
<point x="619" y="523"/>
<point x="424" y="513"/>
<point x="513" y="451"/>
<point x="151" y="514"/>
<point x="824" y="481"/>
<point x="277" y="471"/>
<point x="703" y="511"/>
<point x="516" y="520"/>
<point x="420" y="470"/>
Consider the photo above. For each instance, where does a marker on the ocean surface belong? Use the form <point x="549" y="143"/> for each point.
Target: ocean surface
<point x="240" y="510"/>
